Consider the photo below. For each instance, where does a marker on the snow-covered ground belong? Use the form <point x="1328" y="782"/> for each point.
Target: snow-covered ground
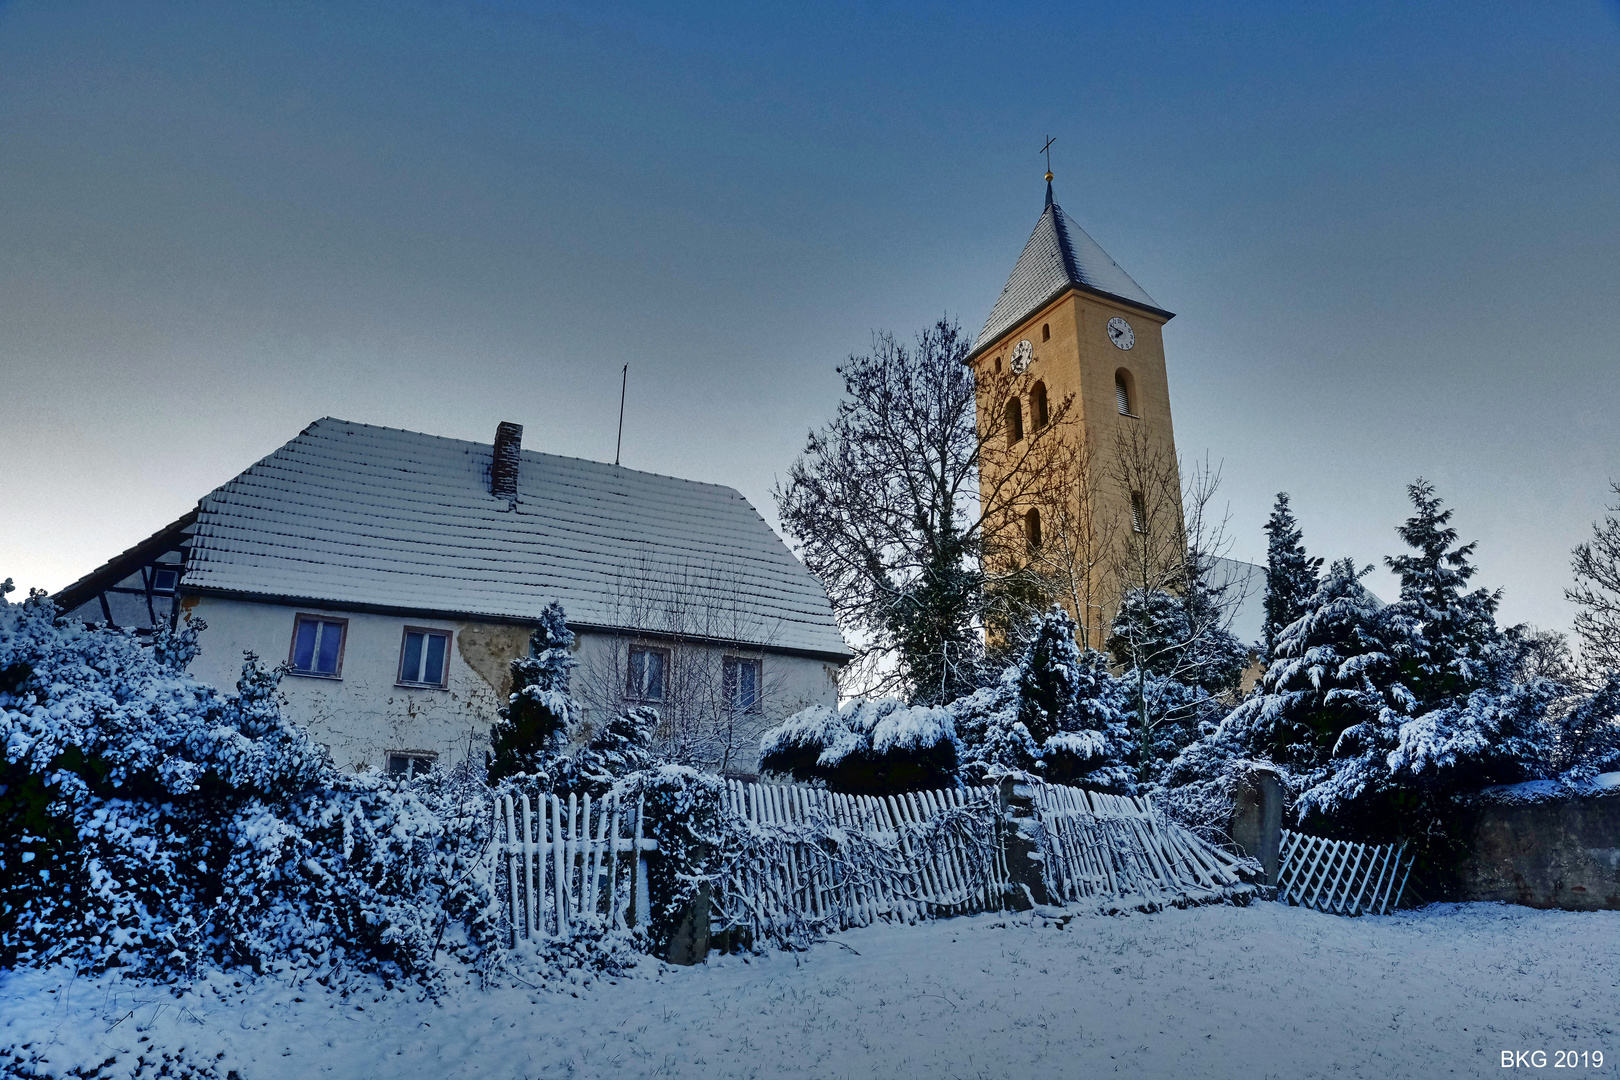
<point x="1267" y="991"/>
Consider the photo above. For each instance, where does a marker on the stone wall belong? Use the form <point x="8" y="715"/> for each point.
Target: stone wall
<point x="1544" y="849"/>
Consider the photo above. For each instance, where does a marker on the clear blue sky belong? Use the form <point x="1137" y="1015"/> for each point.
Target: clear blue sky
<point x="1391" y="234"/>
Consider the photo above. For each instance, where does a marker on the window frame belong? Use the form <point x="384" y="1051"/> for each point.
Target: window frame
<point x="1032" y="530"/>
<point x="299" y="617"/>
<point x="156" y="569"/>
<point x="404" y="636"/>
<point x="630" y="693"/>
<point x="757" y="706"/>
<point x="1040" y="412"/>
<point x="411" y="758"/>
<point x="1125" y="388"/>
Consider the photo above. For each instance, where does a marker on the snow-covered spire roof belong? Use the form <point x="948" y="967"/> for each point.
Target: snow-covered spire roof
<point x="1059" y="256"/>
<point x="351" y="515"/>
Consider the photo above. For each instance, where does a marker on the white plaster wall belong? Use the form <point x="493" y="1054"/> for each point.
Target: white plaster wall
<point x="363" y="716"/>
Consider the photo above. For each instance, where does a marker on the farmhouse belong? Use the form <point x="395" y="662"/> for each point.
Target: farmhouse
<point x="397" y="574"/>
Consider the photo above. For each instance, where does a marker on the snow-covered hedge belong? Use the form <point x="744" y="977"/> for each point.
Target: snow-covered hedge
<point x="149" y="821"/>
<point x="876" y="747"/>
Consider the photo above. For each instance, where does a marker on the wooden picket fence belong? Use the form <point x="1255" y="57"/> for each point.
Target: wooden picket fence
<point x="1119" y="852"/>
<point x="1339" y="876"/>
<point x="570" y="862"/>
<point x="818" y="861"/>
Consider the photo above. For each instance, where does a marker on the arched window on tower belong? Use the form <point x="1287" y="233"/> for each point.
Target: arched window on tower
<point x="1046" y="331"/>
<point x="1038" y="415"/>
<point x="1032" y="529"/>
<point x="1124" y="392"/>
<point x="1015" y="421"/>
<point x="1138" y="513"/>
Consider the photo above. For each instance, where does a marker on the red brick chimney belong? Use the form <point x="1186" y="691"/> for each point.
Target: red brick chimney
<point x="503" y="471"/>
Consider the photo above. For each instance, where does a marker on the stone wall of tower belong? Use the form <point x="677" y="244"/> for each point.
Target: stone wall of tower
<point x="1073" y="355"/>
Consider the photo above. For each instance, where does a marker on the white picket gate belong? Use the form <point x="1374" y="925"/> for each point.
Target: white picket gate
<point x="1109" y="848"/>
<point x="1339" y="876"/>
<point x="820" y="861"/>
<point x="569" y="862"/>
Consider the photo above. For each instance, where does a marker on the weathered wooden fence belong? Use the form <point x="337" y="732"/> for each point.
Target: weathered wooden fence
<point x="567" y="862"/>
<point x="1101" y="848"/>
<point x="813" y="861"/>
<point x="1341" y="877"/>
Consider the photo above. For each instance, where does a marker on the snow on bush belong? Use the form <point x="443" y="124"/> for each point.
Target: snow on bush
<point x="874" y="747"/>
<point x="150" y="821"/>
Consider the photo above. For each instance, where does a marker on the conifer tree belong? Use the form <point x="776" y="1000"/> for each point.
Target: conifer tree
<point x="1451" y="641"/>
<point x="534" y="726"/>
<point x="1291" y="575"/>
<point x="1330" y="671"/>
<point x="616" y="749"/>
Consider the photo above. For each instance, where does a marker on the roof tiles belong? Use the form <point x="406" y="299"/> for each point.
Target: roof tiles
<point x="353" y="514"/>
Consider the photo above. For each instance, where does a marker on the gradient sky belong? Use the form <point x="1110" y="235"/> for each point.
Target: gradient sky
<point x="1391" y="234"/>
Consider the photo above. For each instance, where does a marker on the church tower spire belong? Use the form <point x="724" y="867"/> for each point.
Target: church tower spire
<point x="1072" y="326"/>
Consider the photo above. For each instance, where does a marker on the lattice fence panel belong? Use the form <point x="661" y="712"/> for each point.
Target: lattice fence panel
<point x="1340" y="876"/>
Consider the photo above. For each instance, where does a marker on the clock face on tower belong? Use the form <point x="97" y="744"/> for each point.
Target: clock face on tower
<point x="1023" y="353"/>
<point x="1120" y="333"/>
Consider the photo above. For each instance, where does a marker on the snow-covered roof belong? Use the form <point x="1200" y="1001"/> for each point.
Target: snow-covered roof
<point x="1059" y="255"/>
<point x="351" y="514"/>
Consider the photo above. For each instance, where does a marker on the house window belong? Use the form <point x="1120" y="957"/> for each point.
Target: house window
<point x="1037" y="406"/>
<point x="317" y="646"/>
<point x="165" y="580"/>
<point x="1122" y="392"/>
<point x="1046" y="331"/>
<point x="1015" y="421"/>
<point x="411" y="763"/>
<point x="1138" y="513"/>
<point x="423" y="657"/>
<point x="742" y="678"/>
<point x="649" y="668"/>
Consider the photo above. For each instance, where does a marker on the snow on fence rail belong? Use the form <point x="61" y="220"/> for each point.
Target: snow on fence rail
<point x="568" y="862"/>
<point x="1341" y="877"/>
<point x="1114" y="850"/>
<point x="809" y="861"/>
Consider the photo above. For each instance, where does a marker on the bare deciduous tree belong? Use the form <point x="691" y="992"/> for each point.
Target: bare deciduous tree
<point x="1173" y="626"/>
<point x="1597" y="591"/>
<point x="897" y="504"/>
<point x="692" y="614"/>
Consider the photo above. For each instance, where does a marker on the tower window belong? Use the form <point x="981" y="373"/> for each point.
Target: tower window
<point x="1046" y="331"/>
<point x="1122" y="392"/>
<point x="1015" y="421"/>
<point x="1032" y="529"/>
<point x="998" y="365"/>
<point x="1037" y="406"/>
<point x="1138" y="513"/>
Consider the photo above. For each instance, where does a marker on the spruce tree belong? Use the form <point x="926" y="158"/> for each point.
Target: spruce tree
<point x="1452" y="645"/>
<point x="533" y="728"/>
<point x="1291" y="575"/>
<point x="1330" y="671"/>
<point x="617" y="748"/>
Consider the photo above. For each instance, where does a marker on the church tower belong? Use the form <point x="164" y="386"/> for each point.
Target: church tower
<point x="1072" y="324"/>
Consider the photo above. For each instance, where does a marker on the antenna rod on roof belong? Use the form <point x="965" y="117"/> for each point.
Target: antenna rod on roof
<point x="624" y="381"/>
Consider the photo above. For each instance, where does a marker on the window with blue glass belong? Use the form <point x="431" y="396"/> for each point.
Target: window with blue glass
<point x="317" y="646"/>
<point x="423" y="657"/>
<point x="742" y="678"/>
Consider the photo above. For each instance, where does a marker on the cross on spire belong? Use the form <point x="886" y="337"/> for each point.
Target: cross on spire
<point x="1047" y="150"/>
